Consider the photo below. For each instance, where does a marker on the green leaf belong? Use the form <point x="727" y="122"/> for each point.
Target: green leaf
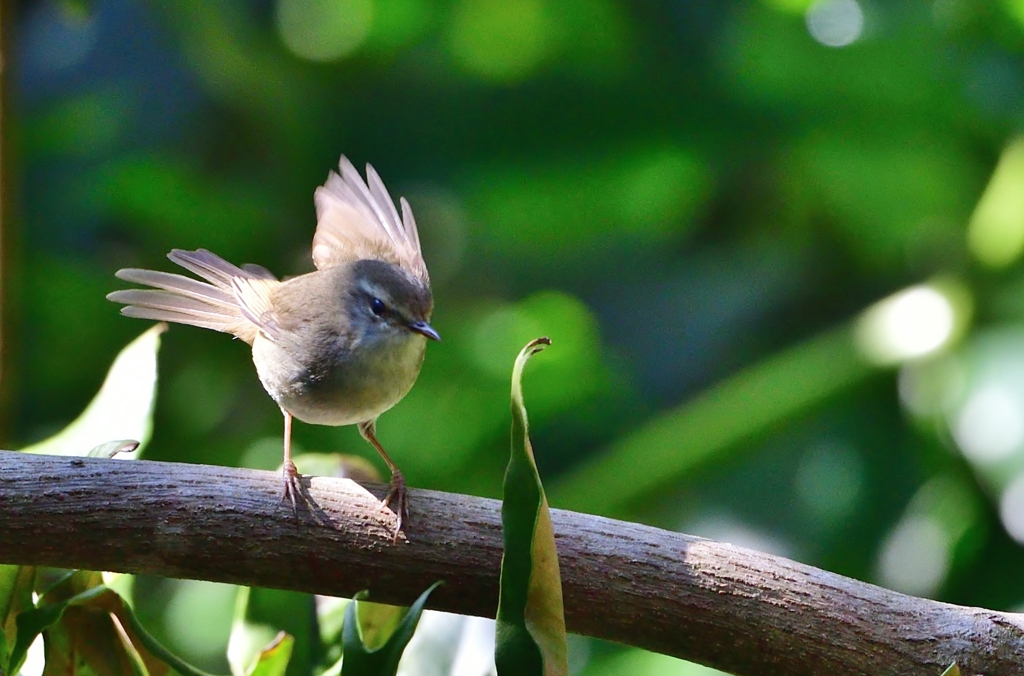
<point x="32" y="623"/>
<point x="248" y="638"/>
<point x="358" y="660"/>
<point x="262" y="620"/>
<point x="952" y="670"/>
<point x="530" y="633"/>
<point x="273" y="659"/>
<point x="16" y="584"/>
<point x="93" y="628"/>
<point x="378" y="622"/>
<point x="330" y="619"/>
<point x="122" y="409"/>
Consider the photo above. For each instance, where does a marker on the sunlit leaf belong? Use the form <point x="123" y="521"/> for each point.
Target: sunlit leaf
<point x="273" y="659"/>
<point x="530" y="634"/>
<point x="261" y="615"/>
<point x="93" y="627"/>
<point x="359" y="660"/>
<point x="15" y="597"/>
<point x="112" y="448"/>
<point x="996" y="232"/>
<point x="378" y="622"/>
<point x="123" y="408"/>
<point x="330" y="619"/>
<point x="248" y="638"/>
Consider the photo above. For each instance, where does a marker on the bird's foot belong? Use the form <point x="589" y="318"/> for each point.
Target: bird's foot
<point x="292" y="485"/>
<point x="397" y="500"/>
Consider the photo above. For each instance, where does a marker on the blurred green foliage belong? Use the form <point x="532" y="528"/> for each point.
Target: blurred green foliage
<point x="695" y="200"/>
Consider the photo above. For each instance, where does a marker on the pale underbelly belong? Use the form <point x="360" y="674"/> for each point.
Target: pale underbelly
<point x="351" y="392"/>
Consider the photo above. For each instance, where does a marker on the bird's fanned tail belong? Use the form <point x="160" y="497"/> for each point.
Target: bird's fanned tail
<point x="183" y="300"/>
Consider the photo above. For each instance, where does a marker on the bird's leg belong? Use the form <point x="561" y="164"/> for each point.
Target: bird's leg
<point x="289" y="473"/>
<point x="396" y="497"/>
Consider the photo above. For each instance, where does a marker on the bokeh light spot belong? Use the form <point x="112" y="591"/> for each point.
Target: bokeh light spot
<point x="499" y="334"/>
<point x="727" y="528"/>
<point x="1016" y="9"/>
<point x="996" y="232"/>
<point x="835" y="23"/>
<point x="915" y="557"/>
<point x="58" y="36"/>
<point x="830" y="480"/>
<point x="398" y="23"/>
<point x="502" y="40"/>
<point x="1011" y="508"/>
<point x="570" y="372"/>
<point x="912" y="323"/>
<point x="654" y="187"/>
<point x="990" y="425"/>
<point x="324" y="30"/>
<point x="930" y="387"/>
<point x="573" y="209"/>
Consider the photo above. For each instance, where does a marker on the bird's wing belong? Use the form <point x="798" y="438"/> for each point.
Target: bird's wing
<point x="357" y="219"/>
<point x="253" y="296"/>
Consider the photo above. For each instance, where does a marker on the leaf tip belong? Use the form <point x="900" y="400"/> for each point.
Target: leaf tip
<point x="127" y="447"/>
<point x="538" y="344"/>
<point x="533" y="347"/>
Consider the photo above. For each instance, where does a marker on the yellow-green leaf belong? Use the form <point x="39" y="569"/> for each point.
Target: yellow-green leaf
<point x="16" y="584"/>
<point x="121" y="410"/>
<point x="273" y="659"/>
<point x="360" y="660"/>
<point x="262" y="619"/>
<point x="530" y="624"/>
<point x="378" y="622"/>
<point x="94" y="628"/>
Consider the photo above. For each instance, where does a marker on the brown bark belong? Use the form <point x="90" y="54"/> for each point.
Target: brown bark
<point x="728" y="607"/>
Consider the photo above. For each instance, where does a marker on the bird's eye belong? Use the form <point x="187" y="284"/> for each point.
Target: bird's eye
<point x="377" y="306"/>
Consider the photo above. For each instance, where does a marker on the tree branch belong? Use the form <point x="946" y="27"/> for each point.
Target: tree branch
<point x="727" y="607"/>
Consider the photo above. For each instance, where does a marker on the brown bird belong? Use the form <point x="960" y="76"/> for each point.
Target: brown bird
<point x="337" y="346"/>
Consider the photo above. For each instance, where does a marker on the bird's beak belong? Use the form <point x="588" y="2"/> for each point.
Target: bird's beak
<point x="425" y="329"/>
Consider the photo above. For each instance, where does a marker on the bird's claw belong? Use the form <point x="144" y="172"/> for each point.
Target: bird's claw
<point x="292" y="485"/>
<point x="397" y="500"/>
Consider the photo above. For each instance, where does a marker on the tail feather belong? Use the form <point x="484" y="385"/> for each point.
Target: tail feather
<point x="213" y="304"/>
<point x="208" y="265"/>
<point x="144" y="312"/>
<point x="167" y="300"/>
<point x="185" y="286"/>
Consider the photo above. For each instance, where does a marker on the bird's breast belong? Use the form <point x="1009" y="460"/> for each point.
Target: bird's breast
<point x="339" y="383"/>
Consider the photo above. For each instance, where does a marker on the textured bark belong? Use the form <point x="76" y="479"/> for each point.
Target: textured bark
<point x="727" y="607"/>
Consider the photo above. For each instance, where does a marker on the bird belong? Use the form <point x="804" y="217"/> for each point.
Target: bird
<point x="337" y="346"/>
